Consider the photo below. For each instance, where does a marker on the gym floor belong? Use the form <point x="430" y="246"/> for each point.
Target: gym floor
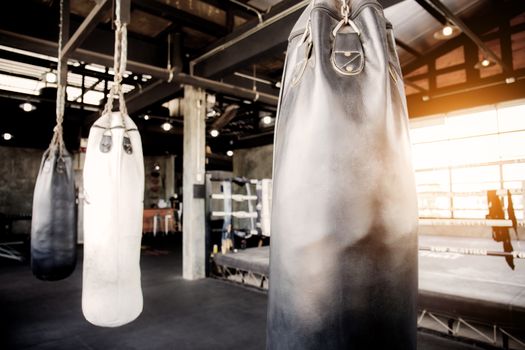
<point x="178" y="314"/>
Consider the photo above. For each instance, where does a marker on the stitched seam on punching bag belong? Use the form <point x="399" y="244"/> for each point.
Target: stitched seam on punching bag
<point x="114" y="127"/>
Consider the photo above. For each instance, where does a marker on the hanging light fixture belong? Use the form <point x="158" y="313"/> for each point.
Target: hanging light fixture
<point x="50" y="77"/>
<point x="229" y="153"/>
<point x="448" y="31"/>
<point x="484" y="63"/>
<point x="166" y="126"/>
<point x="214" y="133"/>
<point x="267" y="120"/>
<point x="27" y="107"/>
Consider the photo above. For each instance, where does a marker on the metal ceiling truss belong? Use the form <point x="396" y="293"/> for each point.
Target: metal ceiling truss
<point x="469" y="33"/>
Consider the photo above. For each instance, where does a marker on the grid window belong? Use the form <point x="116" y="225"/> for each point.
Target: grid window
<point x="460" y="156"/>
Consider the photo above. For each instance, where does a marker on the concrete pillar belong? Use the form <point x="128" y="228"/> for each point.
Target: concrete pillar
<point x="193" y="251"/>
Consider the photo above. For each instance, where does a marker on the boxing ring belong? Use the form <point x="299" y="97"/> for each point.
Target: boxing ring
<point x="463" y="292"/>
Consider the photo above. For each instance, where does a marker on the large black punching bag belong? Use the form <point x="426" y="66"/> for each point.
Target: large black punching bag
<point x="54" y="220"/>
<point x="54" y="224"/>
<point x="343" y="260"/>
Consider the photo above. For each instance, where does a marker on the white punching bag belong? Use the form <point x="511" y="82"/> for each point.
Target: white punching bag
<point x="113" y="209"/>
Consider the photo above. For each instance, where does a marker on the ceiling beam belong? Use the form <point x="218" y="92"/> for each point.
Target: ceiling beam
<point x="227" y="116"/>
<point x="408" y="48"/>
<point x="415" y="86"/>
<point x="40" y="62"/>
<point x="485" y="94"/>
<point x="469" y="33"/>
<point x="254" y="40"/>
<point x="238" y="48"/>
<point x="431" y="10"/>
<point x="88" y="25"/>
<point x="180" y="17"/>
<point x="509" y="10"/>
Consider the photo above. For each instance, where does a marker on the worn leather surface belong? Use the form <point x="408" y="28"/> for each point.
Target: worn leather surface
<point x="54" y="224"/>
<point x="113" y="210"/>
<point x="343" y="261"/>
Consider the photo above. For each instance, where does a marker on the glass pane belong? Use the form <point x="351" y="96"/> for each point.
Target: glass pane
<point x="511" y="118"/>
<point x="472" y="124"/>
<point x="430" y="155"/>
<point x="476" y="174"/>
<point x="474" y="150"/>
<point x="434" y="202"/>
<point x="471" y="202"/>
<point x="512" y="145"/>
<point x="428" y="130"/>
<point x="517" y="202"/>
<point x="475" y="187"/>
<point x="470" y="214"/>
<point x="432" y="181"/>
<point x="431" y="213"/>
<point x="515" y="172"/>
<point x="514" y="185"/>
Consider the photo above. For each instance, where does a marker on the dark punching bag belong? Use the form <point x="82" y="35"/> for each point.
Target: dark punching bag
<point x="54" y="224"/>
<point x="343" y="260"/>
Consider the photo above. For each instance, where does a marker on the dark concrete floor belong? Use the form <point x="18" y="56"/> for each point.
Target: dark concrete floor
<point x="178" y="314"/>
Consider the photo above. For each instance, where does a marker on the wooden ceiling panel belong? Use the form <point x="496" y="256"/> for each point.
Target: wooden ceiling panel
<point x="238" y="21"/>
<point x="519" y="19"/>
<point x="452" y="78"/>
<point x="452" y="58"/>
<point x="200" y="9"/>
<point x="420" y="70"/>
<point x="84" y="7"/>
<point x="518" y="50"/>
<point x="423" y="84"/>
<point x="196" y="40"/>
<point x="146" y="24"/>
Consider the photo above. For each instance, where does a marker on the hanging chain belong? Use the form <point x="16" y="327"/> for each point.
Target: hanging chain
<point x="58" y="137"/>
<point x="119" y="66"/>
<point x="345" y="10"/>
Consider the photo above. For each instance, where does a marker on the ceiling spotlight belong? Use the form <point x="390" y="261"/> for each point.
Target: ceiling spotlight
<point x="50" y="77"/>
<point x="229" y="153"/>
<point x="510" y="80"/>
<point x="211" y="113"/>
<point x="278" y="85"/>
<point x="7" y="136"/>
<point x="214" y="133"/>
<point x="267" y="120"/>
<point x="27" y="106"/>
<point x="425" y="98"/>
<point x="448" y="31"/>
<point x="484" y="63"/>
<point x="166" y="126"/>
<point x="146" y="117"/>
